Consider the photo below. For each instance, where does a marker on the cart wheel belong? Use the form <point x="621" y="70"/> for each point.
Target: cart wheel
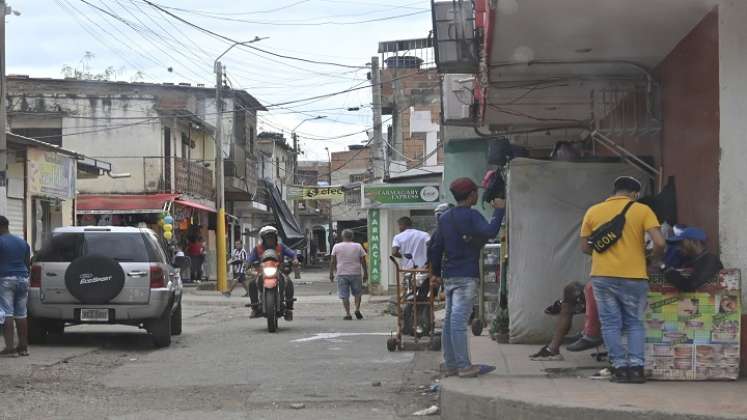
<point x="391" y="344"/>
<point x="435" y="344"/>
<point x="476" y="327"/>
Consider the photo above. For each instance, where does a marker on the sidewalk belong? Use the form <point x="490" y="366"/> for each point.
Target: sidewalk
<point x="522" y="389"/>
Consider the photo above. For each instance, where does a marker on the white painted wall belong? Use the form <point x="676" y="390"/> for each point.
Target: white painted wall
<point x="733" y="132"/>
<point x="125" y="148"/>
<point x="341" y="212"/>
<point x="422" y="122"/>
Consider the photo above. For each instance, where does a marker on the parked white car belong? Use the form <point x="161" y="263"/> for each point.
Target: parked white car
<point x="105" y="275"/>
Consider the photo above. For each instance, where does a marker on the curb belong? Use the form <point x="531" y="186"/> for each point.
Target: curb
<point x="457" y="405"/>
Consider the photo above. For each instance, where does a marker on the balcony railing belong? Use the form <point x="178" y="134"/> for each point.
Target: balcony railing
<point x="193" y="178"/>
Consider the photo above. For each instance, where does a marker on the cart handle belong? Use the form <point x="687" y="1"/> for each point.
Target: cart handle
<point x="407" y="270"/>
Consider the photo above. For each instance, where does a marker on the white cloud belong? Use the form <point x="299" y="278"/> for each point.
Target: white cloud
<point x="46" y="37"/>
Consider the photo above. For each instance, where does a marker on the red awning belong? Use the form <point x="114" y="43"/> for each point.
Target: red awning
<point x="122" y="204"/>
<point x="194" y="205"/>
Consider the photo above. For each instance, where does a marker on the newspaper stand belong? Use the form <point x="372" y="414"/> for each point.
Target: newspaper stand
<point x="396" y="342"/>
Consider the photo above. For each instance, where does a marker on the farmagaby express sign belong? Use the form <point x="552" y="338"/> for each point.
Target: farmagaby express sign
<point x="400" y="196"/>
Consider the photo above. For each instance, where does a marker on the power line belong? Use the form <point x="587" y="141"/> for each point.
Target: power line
<point x="299" y="23"/>
<point x="225" y="38"/>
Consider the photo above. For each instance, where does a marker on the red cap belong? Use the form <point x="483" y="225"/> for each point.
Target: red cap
<point x="463" y="186"/>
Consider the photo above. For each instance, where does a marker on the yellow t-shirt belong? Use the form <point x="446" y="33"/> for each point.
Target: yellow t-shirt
<point x="627" y="257"/>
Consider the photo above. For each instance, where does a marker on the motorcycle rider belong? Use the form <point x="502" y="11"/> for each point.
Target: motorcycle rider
<point x="268" y="236"/>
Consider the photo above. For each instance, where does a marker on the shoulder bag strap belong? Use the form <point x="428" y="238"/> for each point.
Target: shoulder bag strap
<point x="627" y="206"/>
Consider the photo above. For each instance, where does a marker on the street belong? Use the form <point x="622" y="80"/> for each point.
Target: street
<point x="225" y="366"/>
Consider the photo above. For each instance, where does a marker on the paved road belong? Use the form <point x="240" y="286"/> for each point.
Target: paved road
<point x="224" y="366"/>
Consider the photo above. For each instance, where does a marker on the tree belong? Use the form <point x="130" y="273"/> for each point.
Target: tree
<point x="84" y="72"/>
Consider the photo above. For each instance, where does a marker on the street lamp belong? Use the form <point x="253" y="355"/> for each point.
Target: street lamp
<point x="295" y="144"/>
<point x="220" y="200"/>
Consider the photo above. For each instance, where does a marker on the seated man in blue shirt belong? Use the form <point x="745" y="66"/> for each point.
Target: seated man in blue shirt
<point x="269" y="237"/>
<point x="462" y="233"/>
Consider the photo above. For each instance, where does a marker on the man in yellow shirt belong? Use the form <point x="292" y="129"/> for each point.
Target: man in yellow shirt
<point x="619" y="276"/>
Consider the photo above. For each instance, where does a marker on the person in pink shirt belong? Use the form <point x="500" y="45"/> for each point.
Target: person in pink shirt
<point x="348" y="266"/>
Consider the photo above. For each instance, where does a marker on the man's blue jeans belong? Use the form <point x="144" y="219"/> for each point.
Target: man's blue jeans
<point x="622" y="306"/>
<point x="460" y="298"/>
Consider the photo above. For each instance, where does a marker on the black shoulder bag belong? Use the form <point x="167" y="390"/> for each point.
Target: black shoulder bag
<point x="609" y="233"/>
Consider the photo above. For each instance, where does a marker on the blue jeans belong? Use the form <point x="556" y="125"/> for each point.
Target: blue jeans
<point x="460" y="299"/>
<point x="14" y="293"/>
<point x="622" y="306"/>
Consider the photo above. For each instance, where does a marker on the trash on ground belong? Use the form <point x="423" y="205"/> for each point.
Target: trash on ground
<point x="430" y="411"/>
<point x="298" y="406"/>
<point x="377" y="383"/>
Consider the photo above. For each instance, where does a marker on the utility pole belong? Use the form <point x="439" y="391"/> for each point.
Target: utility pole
<point x="378" y="152"/>
<point x="329" y="177"/>
<point x="294" y="181"/>
<point x="220" y="200"/>
<point x="3" y="117"/>
<point x="220" y="233"/>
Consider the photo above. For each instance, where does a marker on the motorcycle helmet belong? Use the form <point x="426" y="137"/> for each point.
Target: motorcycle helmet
<point x="268" y="230"/>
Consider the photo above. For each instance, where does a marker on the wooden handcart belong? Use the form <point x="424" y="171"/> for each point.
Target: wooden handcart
<point x="406" y="286"/>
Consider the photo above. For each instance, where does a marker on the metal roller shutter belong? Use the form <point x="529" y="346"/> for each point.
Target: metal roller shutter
<point x="15" y="215"/>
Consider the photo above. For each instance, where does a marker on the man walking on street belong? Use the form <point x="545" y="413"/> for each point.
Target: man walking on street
<point x="619" y="276"/>
<point x="462" y="233"/>
<point x="238" y="269"/>
<point x="410" y="244"/>
<point x="349" y="261"/>
<point x="15" y="261"/>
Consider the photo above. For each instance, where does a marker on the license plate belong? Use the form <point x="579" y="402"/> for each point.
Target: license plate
<point x="94" y="315"/>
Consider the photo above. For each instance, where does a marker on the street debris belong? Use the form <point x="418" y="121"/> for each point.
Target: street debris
<point x="377" y="383"/>
<point x="430" y="411"/>
<point x="298" y="406"/>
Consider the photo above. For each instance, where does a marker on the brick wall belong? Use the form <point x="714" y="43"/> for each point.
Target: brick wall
<point x="351" y="159"/>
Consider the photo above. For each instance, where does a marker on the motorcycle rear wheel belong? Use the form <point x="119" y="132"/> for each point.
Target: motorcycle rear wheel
<point x="271" y="310"/>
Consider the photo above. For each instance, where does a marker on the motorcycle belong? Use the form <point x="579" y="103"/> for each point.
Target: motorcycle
<point x="273" y="279"/>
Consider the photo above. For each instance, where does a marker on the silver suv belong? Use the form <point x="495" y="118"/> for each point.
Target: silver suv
<point x="110" y="275"/>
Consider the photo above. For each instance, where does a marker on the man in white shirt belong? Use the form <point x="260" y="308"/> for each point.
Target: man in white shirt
<point x="410" y="245"/>
<point x="238" y="269"/>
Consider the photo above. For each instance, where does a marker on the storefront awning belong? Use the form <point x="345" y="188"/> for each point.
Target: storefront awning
<point x="198" y="206"/>
<point x="122" y="204"/>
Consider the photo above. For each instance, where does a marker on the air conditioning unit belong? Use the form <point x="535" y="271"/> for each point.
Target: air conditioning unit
<point x="454" y="33"/>
<point x="459" y="99"/>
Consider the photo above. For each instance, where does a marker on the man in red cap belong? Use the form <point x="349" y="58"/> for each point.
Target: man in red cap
<point x="462" y="233"/>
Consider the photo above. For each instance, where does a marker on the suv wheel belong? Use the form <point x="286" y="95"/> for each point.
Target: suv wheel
<point x="160" y="330"/>
<point x="176" y="321"/>
<point x="37" y="331"/>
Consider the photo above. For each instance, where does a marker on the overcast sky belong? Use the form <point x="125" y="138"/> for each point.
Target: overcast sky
<point x="137" y="39"/>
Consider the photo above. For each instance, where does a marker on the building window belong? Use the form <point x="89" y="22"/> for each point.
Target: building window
<point x="353" y="198"/>
<point x="48" y="135"/>
<point x="358" y="178"/>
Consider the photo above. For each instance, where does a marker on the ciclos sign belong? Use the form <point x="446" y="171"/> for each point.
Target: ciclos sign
<point x="400" y="196"/>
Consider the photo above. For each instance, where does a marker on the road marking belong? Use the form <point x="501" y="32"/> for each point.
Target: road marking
<point x="332" y="336"/>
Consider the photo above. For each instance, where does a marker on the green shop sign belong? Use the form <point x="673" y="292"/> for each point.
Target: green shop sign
<point x="400" y="196"/>
<point x="374" y="246"/>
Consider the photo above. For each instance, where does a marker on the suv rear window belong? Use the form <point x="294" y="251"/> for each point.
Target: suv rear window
<point x="122" y="247"/>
